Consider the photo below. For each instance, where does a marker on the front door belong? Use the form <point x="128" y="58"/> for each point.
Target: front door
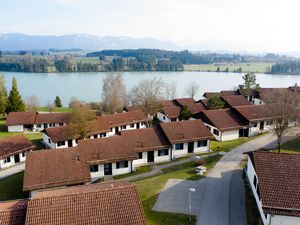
<point x="190" y="147"/>
<point x="244" y="132"/>
<point x="70" y="143"/>
<point x="138" y="126"/>
<point x="107" y="169"/>
<point x="150" y="156"/>
<point x="261" y="125"/>
<point x="117" y="129"/>
<point x="17" y="158"/>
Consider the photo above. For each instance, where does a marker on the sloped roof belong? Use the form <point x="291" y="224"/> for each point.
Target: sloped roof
<point x="52" y="118"/>
<point x="52" y="168"/>
<point x="20" y="118"/>
<point x="148" y="139"/>
<point x="101" y="204"/>
<point x="278" y="180"/>
<point x="208" y="95"/>
<point x="223" y="119"/>
<point x="235" y="100"/>
<point x="171" y="111"/>
<point x="188" y="130"/>
<point x="13" y="212"/>
<point x="184" y="101"/>
<point x="167" y="103"/>
<point x="12" y="145"/>
<point x="255" y="113"/>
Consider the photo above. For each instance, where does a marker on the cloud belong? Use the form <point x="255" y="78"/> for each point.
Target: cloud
<point x="66" y="2"/>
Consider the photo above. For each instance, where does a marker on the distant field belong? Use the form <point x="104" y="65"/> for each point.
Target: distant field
<point x="256" y="67"/>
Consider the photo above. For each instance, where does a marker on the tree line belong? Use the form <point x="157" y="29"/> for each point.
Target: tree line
<point x="288" y="67"/>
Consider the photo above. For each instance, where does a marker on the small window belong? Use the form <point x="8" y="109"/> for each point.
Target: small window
<point x="103" y="135"/>
<point x="96" y="136"/>
<point x="76" y="141"/>
<point x="216" y="132"/>
<point x="124" y="127"/>
<point x="179" y="146"/>
<point x="258" y="192"/>
<point x="255" y="125"/>
<point x="111" y="129"/>
<point x="49" y="141"/>
<point x="60" y="143"/>
<point x="94" y="168"/>
<point x="122" y="164"/>
<point x="61" y="124"/>
<point x="23" y="154"/>
<point x="173" y="119"/>
<point x="140" y="155"/>
<point x="39" y="125"/>
<point x="202" y="144"/>
<point x="254" y="181"/>
<point x="163" y="152"/>
<point x="45" y="126"/>
<point x="269" y="122"/>
<point x="131" y="125"/>
<point x="7" y="160"/>
<point x="164" y="117"/>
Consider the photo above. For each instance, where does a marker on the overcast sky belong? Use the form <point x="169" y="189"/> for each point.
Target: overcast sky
<point x="251" y="25"/>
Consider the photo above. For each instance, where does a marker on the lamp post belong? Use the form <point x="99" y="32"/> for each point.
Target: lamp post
<point x="191" y="190"/>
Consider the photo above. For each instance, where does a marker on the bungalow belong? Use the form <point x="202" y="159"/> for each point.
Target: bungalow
<point x="112" y="203"/>
<point x="190" y="136"/>
<point x="274" y="180"/>
<point x="34" y="121"/>
<point x="103" y="126"/>
<point x="13" y="150"/>
<point x="151" y="144"/>
<point x="258" y="117"/>
<point x="208" y="95"/>
<point x="224" y="124"/>
<point x="235" y="100"/>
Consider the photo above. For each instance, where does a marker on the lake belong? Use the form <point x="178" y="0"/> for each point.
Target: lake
<point x="88" y="86"/>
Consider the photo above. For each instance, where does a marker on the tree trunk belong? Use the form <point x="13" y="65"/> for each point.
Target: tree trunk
<point x="278" y="144"/>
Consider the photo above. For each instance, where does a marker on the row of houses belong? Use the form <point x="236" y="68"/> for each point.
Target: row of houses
<point x="274" y="180"/>
<point x="101" y="204"/>
<point x="92" y="159"/>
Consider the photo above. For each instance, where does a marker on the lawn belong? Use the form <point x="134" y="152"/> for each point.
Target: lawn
<point x="292" y="146"/>
<point x="150" y="188"/>
<point x="62" y="109"/>
<point x="256" y="67"/>
<point x="139" y="170"/>
<point x="11" y="187"/>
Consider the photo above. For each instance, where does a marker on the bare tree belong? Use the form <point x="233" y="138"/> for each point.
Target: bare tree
<point x="80" y="124"/>
<point x="192" y="89"/>
<point x="50" y="106"/>
<point x="75" y="102"/>
<point x="113" y="94"/>
<point x="283" y="108"/>
<point x="147" y="94"/>
<point x="32" y="103"/>
<point x="170" y="91"/>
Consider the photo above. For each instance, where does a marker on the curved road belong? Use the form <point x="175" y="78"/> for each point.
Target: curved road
<point x="223" y="202"/>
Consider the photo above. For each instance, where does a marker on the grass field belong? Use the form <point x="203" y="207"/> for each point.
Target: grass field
<point x="11" y="187"/>
<point x="255" y="67"/>
<point x="292" y="146"/>
<point x="62" y="109"/>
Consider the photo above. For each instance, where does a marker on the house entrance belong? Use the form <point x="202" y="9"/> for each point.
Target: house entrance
<point x="107" y="169"/>
<point x="17" y="158"/>
<point x="191" y="147"/>
<point x="150" y="156"/>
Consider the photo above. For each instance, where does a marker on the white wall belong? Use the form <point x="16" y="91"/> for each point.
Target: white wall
<point x="141" y="162"/>
<point x="15" y="128"/>
<point x="203" y="148"/>
<point x="180" y="153"/>
<point x="230" y="135"/>
<point x="257" y="101"/>
<point x="120" y="171"/>
<point x="42" y="127"/>
<point x="162" y="117"/>
<point x="99" y="174"/>
<point x="12" y="160"/>
<point x="127" y="127"/>
<point x="256" y="130"/>
<point x="284" y="220"/>
<point x="164" y="158"/>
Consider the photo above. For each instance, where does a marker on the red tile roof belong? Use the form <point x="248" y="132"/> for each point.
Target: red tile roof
<point x="278" y="179"/>
<point x="20" y="118"/>
<point x="223" y="119"/>
<point x="13" y="145"/>
<point x="13" y="212"/>
<point x="255" y="112"/>
<point x="184" y="131"/>
<point x="235" y="100"/>
<point x="148" y="139"/>
<point x="52" y="118"/>
<point x="184" y="101"/>
<point x="171" y="111"/>
<point x="195" y="107"/>
<point x="101" y="204"/>
<point x="208" y="95"/>
<point x="167" y="103"/>
<point x="53" y="168"/>
<point x="104" y="150"/>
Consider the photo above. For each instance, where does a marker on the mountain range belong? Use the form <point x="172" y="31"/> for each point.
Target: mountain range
<point x="17" y="41"/>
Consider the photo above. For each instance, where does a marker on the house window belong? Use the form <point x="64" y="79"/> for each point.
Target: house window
<point x="173" y="119"/>
<point x="201" y="144"/>
<point x="258" y="192"/>
<point x="111" y="129"/>
<point x="254" y="181"/>
<point x="122" y="164"/>
<point x="164" y="117"/>
<point x="216" y="132"/>
<point x="163" y="152"/>
<point x="255" y="125"/>
<point x="103" y="135"/>
<point x="7" y="160"/>
<point x="96" y="136"/>
<point x="124" y="127"/>
<point x="179" y="146"/>
<point x="76" y="141"/>
<point x="61" y="124"/>
<point x="39" y="125"/>
<point x="60" y="143"/>
<point x="49" y="141"/>
<point x="23" y="154"/>
<point x="140" y="155"/>
<point x="269" y="122"/>
<point x="131" y="125"/>
<point x="45" y="126"/>
<point x="94" y="168"/>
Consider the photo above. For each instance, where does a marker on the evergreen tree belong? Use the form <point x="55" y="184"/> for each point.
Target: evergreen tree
<point x="3" y="95"/>
<point x="215" y="102"/>
<point x="15" y="102"/>
<point x="185" y="113"/>
<point x="249" y="85"/>
<point x="57" y="102"/>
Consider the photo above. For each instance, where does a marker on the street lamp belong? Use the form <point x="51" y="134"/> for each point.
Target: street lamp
<point x="191" y="190"/>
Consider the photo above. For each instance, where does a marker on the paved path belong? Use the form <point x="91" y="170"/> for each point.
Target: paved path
<point x="223" y="202"/>
<point x="12" y="170"/>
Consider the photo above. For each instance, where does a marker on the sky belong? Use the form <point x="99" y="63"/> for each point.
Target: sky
<point x="236" y="25"/>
